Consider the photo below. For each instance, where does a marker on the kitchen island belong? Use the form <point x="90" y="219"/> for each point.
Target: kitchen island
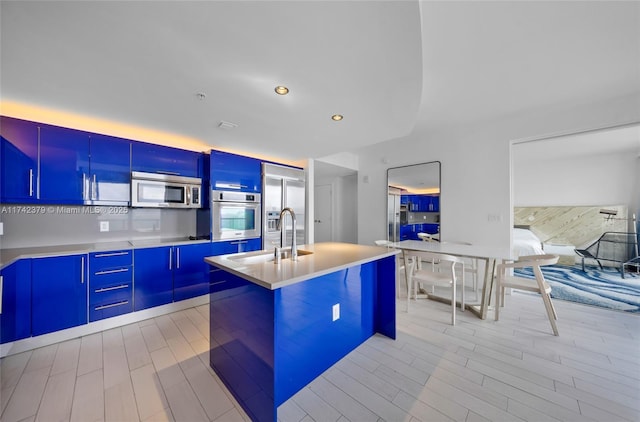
<point x="277" y="326"/>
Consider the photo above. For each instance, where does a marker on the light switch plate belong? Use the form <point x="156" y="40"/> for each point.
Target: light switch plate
<point x="1" y="228"/>
<point x="336" y="312"/>
<point x="104" y="226"/>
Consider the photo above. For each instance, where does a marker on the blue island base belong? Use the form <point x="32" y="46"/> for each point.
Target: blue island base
<point x="266" y="345"/>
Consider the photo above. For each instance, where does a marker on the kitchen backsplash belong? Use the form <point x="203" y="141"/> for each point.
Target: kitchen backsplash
<point x="46" y="225"/>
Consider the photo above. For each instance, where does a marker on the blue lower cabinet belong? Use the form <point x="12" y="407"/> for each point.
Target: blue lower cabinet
<point x="15" y="303"/>
<point x="59" y="293"/>
<point x="431" y="228"/>
<point x="107" y="302"/>
<point x="153" y="275"/>
<point x="236" y="246"/>
<point x="110" y="284"/>
<point x="191" y="273"/>
<point x="405" y="232"/>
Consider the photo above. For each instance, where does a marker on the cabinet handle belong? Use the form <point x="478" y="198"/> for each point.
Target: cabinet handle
<point x="178" y="258"/>
<point x="30" y="182"/>
<point x="108" y="289"/>
<point x="94" y="188"/>
<point x="171" y="258"/>
<point x="231" y="185"/>
<point x="85" y="187"/>
<point x="119" y="270"/>
<point x="99" y="308"/>
<point x="82" y="267"/>
<point x="102" y="255"/>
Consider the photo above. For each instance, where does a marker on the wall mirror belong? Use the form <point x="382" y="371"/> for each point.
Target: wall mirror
<point x="413" y="202"/>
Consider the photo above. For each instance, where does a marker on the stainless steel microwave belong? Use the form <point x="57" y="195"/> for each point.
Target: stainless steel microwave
<point x="158" y="190"/>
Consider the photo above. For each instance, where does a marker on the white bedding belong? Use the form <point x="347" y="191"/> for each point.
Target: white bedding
<point x="526" y="243"/>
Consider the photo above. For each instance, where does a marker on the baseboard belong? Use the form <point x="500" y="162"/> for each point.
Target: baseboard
<point x="31" y="343"/>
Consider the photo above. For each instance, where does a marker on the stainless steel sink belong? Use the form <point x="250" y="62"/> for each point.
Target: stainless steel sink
<point x="266" y="256"/>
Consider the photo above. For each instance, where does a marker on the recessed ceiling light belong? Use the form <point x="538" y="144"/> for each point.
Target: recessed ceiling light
<point x="282" y="90"/>
<point x="336" y="117"/>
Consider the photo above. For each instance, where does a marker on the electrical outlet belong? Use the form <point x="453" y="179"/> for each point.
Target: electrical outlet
<point x="336" y="312"/>
<point x="494" y="218"/>
<point x="104" y="226"/>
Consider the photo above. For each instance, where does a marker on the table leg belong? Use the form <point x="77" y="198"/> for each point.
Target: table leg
<point x="487" y="289"/>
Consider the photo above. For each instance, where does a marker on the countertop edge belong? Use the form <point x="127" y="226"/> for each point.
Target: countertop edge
<point x="81" y="249"/>
<point x="218" y="262"/>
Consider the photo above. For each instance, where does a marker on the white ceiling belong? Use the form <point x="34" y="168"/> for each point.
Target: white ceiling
<point x="391" y="68"/>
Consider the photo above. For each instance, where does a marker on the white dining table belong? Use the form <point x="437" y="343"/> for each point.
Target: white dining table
<point x="490" y="255"/>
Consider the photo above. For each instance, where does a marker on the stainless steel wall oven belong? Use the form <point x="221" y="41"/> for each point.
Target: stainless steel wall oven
<point x="235" y="215"/>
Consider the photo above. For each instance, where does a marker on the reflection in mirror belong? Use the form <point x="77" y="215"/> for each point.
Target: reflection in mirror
<point x="413" y="202"/>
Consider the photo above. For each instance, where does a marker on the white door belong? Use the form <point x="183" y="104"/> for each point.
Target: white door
<point x="323" y="224"/>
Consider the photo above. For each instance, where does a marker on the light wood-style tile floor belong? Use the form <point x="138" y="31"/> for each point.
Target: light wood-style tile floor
<point x="510" y="370"/>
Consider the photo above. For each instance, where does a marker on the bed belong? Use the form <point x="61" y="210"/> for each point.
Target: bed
<point x="525" y="242"/>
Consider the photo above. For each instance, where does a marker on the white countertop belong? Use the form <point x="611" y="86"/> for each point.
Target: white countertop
<point x="8" y="256"/>
<point x="326" y="258"/>
<point x="458" y="249"/>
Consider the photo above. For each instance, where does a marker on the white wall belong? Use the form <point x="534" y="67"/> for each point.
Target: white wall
<point x="476" y="169"/>
<point x="605" y="179"/>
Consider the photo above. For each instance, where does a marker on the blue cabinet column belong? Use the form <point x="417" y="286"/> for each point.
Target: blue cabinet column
<point x="19" y="163"/>
<point x="59" y="293"/>
<point x="15" y="302"/>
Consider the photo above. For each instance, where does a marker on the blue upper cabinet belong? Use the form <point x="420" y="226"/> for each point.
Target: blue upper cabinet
<point x="19" y="163"/>
<point x="64" y="166"/>
<point x="235" y="172"/>
<point x="151" y="158"/>
<point x="423" y="203"/>
<point x="47" y="164"/>
<point x="110" y="170"/>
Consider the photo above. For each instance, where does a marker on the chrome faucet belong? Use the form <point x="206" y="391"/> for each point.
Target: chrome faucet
<point x="281" y="227"/>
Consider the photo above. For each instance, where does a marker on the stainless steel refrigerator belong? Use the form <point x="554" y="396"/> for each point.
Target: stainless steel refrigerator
<point x="282" y="187"/>
<point x="393" y="217"/>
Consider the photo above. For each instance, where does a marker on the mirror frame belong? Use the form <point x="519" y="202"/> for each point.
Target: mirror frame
<point x="439" y="186"/>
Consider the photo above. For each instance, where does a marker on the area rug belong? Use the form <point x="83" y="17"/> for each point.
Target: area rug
<point x="604" y="288"/>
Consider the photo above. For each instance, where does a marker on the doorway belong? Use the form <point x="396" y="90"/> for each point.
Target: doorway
<point x="323" y="222"/>
<point x="335" y="203"/>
